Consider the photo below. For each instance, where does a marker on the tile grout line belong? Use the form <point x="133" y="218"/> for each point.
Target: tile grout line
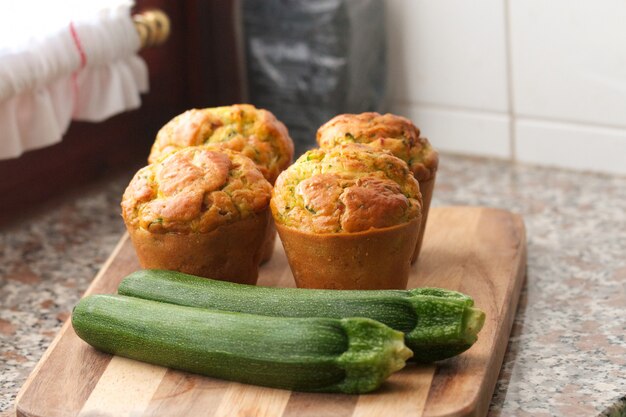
<point x="449" y="107"/>
<point x="509" y="79"/>
<point x="518" y="117"/>
<point x="583" y="124"/>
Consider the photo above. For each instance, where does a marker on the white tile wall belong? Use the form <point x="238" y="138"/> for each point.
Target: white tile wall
<point x="537" y="81"/>
<point x="571" y="146"/>
<point x="461" y="131"/>
<point x="448" y="52"/>
<point x="569" y="60"/>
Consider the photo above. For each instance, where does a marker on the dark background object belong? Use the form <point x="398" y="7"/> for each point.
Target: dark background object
<point x="195" y="67"/>
<point x="309" y="60"/>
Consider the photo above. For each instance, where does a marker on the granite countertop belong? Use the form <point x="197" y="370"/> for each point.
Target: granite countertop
<point x="567" y="352"/>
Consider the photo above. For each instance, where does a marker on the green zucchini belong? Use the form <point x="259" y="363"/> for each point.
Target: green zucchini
<point x="437" y="323"/>
<point x="350" y="356"/>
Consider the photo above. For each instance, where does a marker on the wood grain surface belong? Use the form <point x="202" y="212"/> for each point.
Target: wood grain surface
<point x="479" y="251"/>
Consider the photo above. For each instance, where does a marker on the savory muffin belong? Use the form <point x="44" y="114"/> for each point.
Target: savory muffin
<point x="348" y="218"/>
<point x="256" y="133"/>
<point x="394" y="133"/>
<point x="201" y="211"/>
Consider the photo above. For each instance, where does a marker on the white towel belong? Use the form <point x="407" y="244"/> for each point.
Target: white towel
<point x="69" y="60"/>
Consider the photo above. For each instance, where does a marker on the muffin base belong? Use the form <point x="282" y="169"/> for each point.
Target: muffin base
<point x="374" y="259"/>
<point x="229" y="253"/>
<point x="268" y="244"/>
<point x="426" y="188"/>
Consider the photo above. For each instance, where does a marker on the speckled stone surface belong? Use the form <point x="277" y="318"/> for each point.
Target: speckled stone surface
<point x="567" y="352"/>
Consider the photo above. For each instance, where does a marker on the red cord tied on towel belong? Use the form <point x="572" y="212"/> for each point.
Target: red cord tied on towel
<point x="83" y="62"/>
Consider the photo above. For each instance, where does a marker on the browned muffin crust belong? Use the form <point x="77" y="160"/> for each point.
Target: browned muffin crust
<point x="350" y="188"/>
<point x="195" y="190"/>
<point x="256" y="133"/>
<point x="394" y="133"/>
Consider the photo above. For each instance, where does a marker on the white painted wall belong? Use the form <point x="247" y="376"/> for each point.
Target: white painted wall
<point x="529" y="80"/>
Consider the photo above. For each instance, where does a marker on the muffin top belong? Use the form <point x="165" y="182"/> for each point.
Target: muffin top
<point x="394" y="133"/>
<point x="195" y="190"/>
<point x="350" y="188"/>
<point x="256" y="133"/>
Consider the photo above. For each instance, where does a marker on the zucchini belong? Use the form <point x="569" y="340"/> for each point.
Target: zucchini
<point x="437" y="323"/>
<point x="350" y="356"/>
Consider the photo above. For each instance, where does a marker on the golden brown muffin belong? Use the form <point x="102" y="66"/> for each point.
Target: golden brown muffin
<point x="199" y="211"/>
<point x="256" y="133"/>
<point x="349" y="188"/>
<point x="348" y="218"/>
<point x="394" y="133"/>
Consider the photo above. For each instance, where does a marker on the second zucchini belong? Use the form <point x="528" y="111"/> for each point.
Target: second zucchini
<point x="437" y="323"/>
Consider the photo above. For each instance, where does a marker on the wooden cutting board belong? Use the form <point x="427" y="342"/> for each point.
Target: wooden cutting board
<point x="479" y="251"/>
